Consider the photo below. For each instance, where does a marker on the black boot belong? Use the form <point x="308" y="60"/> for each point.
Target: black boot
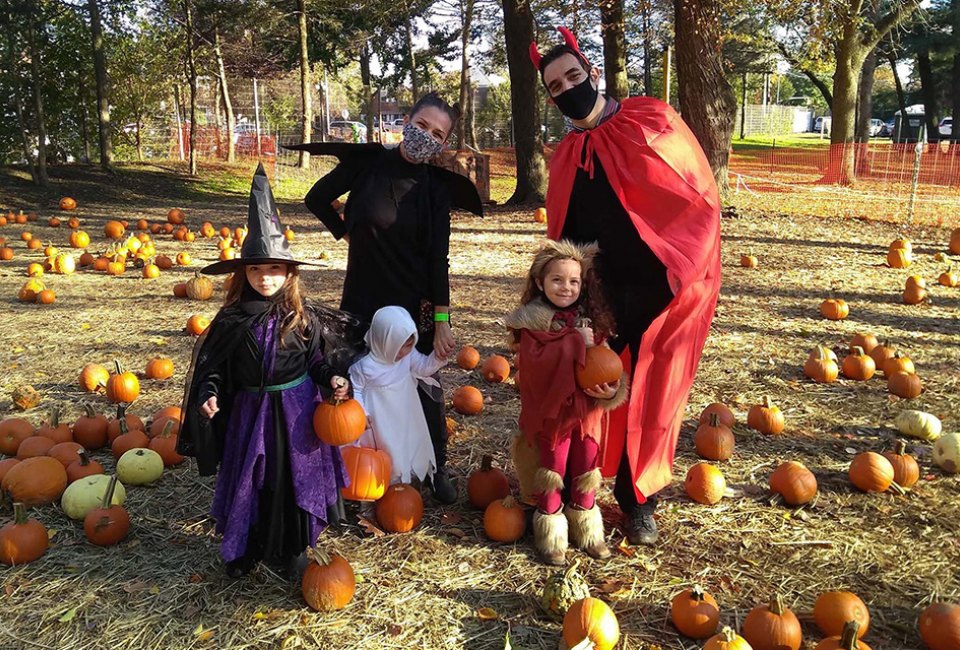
<point x="640" y="524"/>
<point x="239" y="567"/>
<point x="443" y="488"/>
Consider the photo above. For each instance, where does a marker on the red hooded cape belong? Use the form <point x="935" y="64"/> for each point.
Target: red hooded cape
<point x="658" y="170"/>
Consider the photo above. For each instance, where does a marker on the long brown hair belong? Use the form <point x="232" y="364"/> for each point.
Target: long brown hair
<point x="290" y="299"/>
<point x="592" y="300"/>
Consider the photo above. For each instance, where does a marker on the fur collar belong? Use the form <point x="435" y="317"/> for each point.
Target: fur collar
<point x="535" y="315"/>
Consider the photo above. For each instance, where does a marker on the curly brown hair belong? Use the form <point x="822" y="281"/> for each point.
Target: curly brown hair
<point x="593" y="301"/>
<point x="290" y="299"/>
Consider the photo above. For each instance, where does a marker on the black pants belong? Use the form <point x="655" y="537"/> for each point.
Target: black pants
<point x="634" y="305"/>
<point x="433" y="407"/>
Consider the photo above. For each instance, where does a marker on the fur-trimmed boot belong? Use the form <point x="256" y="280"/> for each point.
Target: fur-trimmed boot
<point x="586" y="531"/>
<point x="550" y="537"/>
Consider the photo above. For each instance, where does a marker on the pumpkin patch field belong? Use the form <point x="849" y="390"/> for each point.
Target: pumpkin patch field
<point x="815" y="480"/>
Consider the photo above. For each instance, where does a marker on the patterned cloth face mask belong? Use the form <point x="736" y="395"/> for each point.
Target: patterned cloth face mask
<point x="418" y="145"/>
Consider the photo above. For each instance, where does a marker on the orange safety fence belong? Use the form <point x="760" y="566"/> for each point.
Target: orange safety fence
<point x="805" y="181"/>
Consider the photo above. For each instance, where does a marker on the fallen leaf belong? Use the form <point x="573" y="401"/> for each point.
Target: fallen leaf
<point x="196" y="577"/>
<point x="8" y="590"/>
<point x="624" y="548"/>
<point x="69" y="615"/>
<point x="487" y="614"/>
<point x="610" y="587"/>
<point x="456" y="532"/>
<point x="394" y="630"/>
<point x="450" y="519"/>
<point x="154" y="590"/>
<point x="135" y="587"/>
<point x="201" y="633"/>
<point x="51" y="532"/>
<point x="370" y="527"/>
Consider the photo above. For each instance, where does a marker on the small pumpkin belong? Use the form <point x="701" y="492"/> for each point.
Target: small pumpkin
<point x="871" y="472"/>
<point x="199" y="287"/>
<point x="820" y="367"/>
<point x="65" y="452"/>
<point x="772" y="627"/>
<point x="122" y="423"/>
<point x="906" y="471"/>
<point x="727" y="639"/>
<point x="881" y="353"/>
<point x="858" y="365"/>
<point x="467" y="400"/>
<point x="766" y="417"/>
<point x="128" y="440"/>
<point x="180" y="290"/>
<point x="34" y="447"/>
<point x="6" y="253"/>
<point x="184" y="259"/>
<point x="848" y="640"/>
<point x="67" y="203"/>
<point x="114" y="230"/>
<point x="748" y="261"/>
<point x="151" y="271"/>
<point x="834" y="309"/>
<point x="159" y="368"/>
<point x="54" y="429"/>
<point x="601" y="366"/>
<point x="833" y="609"/>
<point x="540" y="215"/>
<point x="949" y="278"/>
<point x="165" y="444"/>
<point x="197" y="325"/>
<point x="176" y="216"/>
<point x="899" y="258"/>
<point x="795" y="484"/>
<point x="328" y="583"/>
<point x="504" y="521"/>
<point x="713" y="440"/>
<point x="369" y="472"/>
<point x="468" y="357"/>
<point x="940" y="626"/>
<point x="563" y="589"/>
<point x="591" y="619"/>
<point x="695" y="613"/>
<point x="108" y="524"/>
<point x="93" y="377"/>
<point x="165" y="263"/>
<point x="400" y="509"/>
<point x="30" y="290"/>
<point x="486" y="484"/>
<point x="83" y="467"/>
<point x="495" y="369"/>
<point x="918" y="424"/>
<point x="85" y="494"/>
<point x="6" y="465"/>
<point x="14" y="431"/>
<point x="35" y="481"/>
<point x="139" y="466"/>
<point x="339" y="422"/>
<point x="904" y="384"/>
<point x="946" y="453"/>
<point x="22" y="540"/>
<point x="726" y="416"/>
<point x="123" y="386"/>
<point x="914" y="295"/>
<point x="898" y="363"/>
<point x="705" y="484"/>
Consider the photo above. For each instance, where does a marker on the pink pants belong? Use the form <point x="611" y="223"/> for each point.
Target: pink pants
<point x="572" y="457"/>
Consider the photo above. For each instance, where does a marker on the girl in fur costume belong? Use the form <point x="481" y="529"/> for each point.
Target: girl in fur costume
<point x="562" y="313"/>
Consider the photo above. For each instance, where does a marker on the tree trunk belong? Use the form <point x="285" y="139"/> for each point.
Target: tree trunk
<point x="34" y="18"/>
<point x="225" y="94"/>
<point x="82" y="115"/>
<point x="525" y="107"/>
<point x="614" y="49"/>
<point x="901" y="97"/>
<point x="743" y="106"/>
<point x="367" y="89"/>
<point x="647" y="62"/>
<point x="845" y="85"/>
<point x="103" y="95"/>
<point x="865" y="101"/>
<point x="12" y="58"/>
<point x="414" y="82"/>
<point x="466" y="16"/>
<point x="306" y="93"/>
<point x="707" y="102"/>
<point x="139" y="141"/>
<point x="192" y="75"/>
<point x="469" y="117"/>
<point x="929" y="93"/>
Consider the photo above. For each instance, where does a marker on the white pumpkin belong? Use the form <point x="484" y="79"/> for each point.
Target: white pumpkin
<point x="139" y="466"/>
<point x="946" y="452"/>
<point x="87" y="493"/>
<point x="919" y="424"/>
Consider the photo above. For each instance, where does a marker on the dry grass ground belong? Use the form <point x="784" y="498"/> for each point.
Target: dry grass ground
<point x="164" y="586"/>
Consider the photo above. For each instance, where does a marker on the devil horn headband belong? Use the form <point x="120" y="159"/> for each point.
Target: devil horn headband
<point x="568" y="38"/>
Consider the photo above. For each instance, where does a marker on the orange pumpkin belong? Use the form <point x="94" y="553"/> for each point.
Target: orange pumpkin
<point x="165" y="443"/>
<point x="858" y="365"/>
<point x="601" y="366"/>
<point x="504" y="521"/>
<point x="590" y="618"/>
<point x="369" y="472"/>
<point x="881" y="353"/>
<point x="122" y="423"/>
<point x="123" y="386"/>
<point x="114" y="230"/>
<point x="13" y="431"/>
<point x="83" y="467"/>
<point x="794" y="483"/>
<point x="65" y="452"/>
<point x="940" y="626"/>
<point x="328" y="582"/>
<point x="67" y="203"/>
<point x="914" y="295"/>
<point x="495" y="369"/>
<point x="766" y="417"/>
<point x="705" y="484"/>
<point x="176" y="216"/>
<point x="197" y="325"/>
<point x="108" y="524"/>
<point x="468" y="357"/>
<point x="870" y="472"/>
<point x="159" y="368"/>
<point x="5" y="466"/>
<point x="339" y="422"/>
<point x="906" y="471"/>
<point x="128" y="440"/>
<point x="400" y="509"/>
<point x="820" y="367"/>
<point x="6" y="253"/>
<point x="467" y="400"/>
<point x="180" y="290"/>
<point x="695" y="613"/>
<point x="22" y="540"/>
<point x="540" y="215"/>
<point x="904" y="384"/>
<point x="772" y="627"/>
<point x="34" y="446"/>
<point x="899" y="258"/>
<point x="727" y="639"/>
<point x="949" y="278"/>
<point x="833" y="609"/>
<point x="713" y="440"/>
<point x="54" y="429"/>
<point x="723" y="412"/>
<point x="846" y="641"/>
<point x="898" y="363"/>
<point x="151" y="271"/>
<point x="79" y="239"/>
<point x="184" y="258"/>
<point x="35" y="481"/>
<point x="486" y="484"/>
<point x="834" y="309"/>
<point x="748" y="261"/>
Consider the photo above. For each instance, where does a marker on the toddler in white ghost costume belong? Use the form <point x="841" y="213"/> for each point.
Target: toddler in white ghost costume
<point x="385" y="383"/>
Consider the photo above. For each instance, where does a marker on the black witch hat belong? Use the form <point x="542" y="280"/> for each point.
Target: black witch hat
<point x="265" y="242"/>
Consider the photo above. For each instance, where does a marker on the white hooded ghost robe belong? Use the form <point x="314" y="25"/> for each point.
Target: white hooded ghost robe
<point x="387" y="390"/>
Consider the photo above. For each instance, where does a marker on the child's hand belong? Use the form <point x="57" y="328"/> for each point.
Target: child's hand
<point x="587" y="334"/>
<point x="210" y="408"/>
<point x="340" y="386"/>
<point x="603" y="391"/>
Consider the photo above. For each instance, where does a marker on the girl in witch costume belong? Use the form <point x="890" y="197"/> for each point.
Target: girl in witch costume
<point x="385" y="383"/>
<point x="250" y="400"/>
<point x="397" y="224"/>
<point x="562" y="421"/>
<point x="632" y="177"/>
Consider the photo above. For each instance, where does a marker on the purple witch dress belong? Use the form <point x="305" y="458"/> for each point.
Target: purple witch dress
<point x="277" y="480"/>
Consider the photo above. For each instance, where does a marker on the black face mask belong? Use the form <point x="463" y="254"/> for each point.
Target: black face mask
<point x="577" y="102"/>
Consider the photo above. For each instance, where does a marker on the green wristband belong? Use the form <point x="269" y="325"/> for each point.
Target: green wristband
<point x="441" y="318"/>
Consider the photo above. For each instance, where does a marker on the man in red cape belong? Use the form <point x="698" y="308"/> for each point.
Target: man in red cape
<point x="632" y="177"/>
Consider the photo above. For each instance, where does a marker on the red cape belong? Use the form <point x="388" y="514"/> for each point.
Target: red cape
<point x="656" y="167"/>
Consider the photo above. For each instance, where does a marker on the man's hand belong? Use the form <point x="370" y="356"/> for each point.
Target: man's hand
<point x="210" y="408"/>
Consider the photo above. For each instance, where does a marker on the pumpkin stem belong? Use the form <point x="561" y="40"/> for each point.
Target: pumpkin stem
<point x="19" y="513"/>
<point x="486" y="463"/>
<point x="776" y="604"/>
<point x="901" y="448"/>
<point x="55" y="416"/>
<point x="848" y="641"/>
<point x="697" y="593"/>
<point x="84" y="459"/>
<point x="729" y="636"/>
<point x="896" y="487"/>
<point x="767" y="402"/>
<point x="856" y="351"/>
<point x="568" y="574"/>
<point x="116" y="362"/>
<point x="123" y="426"/>
<point x="167" y="428"/>
<point x="108" y="494"/>
<point x="714" y="420"/>
<point x="88" y="410"/>
<point x="509" y="501"/>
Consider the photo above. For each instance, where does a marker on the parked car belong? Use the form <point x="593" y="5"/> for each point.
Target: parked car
<point x="886" y="130"/>
<point x="946" y="126"/>
<point x="875" y="127"/>
<point x="822" y="123"/>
